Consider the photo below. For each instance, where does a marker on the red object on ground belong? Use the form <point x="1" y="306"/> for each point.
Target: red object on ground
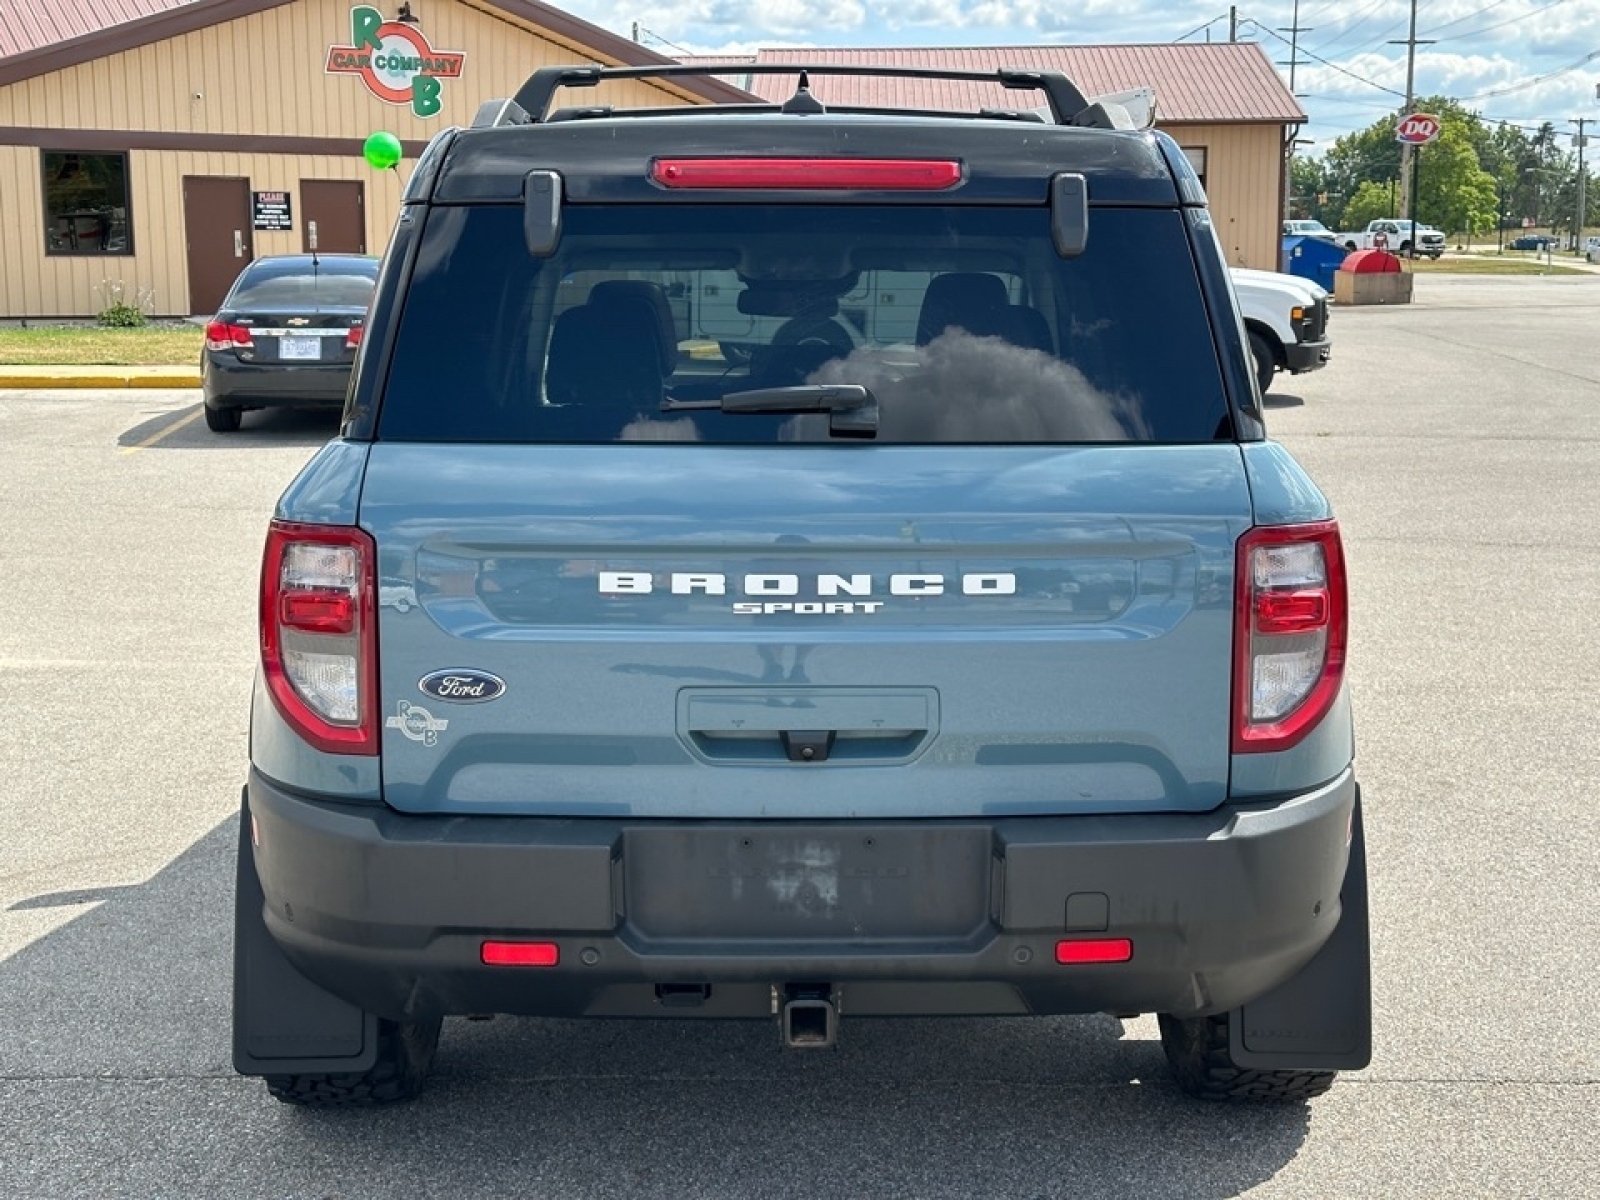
<point x="1371" y="262"/>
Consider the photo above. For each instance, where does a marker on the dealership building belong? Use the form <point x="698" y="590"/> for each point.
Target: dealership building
<point x="151" y="148"/>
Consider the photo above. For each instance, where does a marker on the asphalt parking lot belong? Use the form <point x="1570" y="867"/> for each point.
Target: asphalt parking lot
<point x="1460" y="441"/>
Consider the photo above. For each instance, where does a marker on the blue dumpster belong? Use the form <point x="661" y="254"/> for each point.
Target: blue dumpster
<point x="1312" y="258"/>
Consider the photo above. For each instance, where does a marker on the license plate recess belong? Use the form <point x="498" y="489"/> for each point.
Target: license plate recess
<point x="866" y="884"/>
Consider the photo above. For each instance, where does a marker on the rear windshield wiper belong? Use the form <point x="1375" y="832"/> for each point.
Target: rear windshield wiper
<point x="852" y="409"/>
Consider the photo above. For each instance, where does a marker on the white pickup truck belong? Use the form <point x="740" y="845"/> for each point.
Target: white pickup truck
<point x="1287" y="320"/>
<point x="1395" y="237"/>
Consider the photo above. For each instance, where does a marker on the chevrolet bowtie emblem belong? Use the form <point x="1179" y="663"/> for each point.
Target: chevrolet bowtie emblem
<point x="299" y="321"/>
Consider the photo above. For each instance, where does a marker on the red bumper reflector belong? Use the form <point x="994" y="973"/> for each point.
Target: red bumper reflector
<point x="864" y="174"/>
<point x="521" y="954"/>
<point x="1094" y="950"/>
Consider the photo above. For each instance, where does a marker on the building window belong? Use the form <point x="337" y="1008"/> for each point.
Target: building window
<point x="86" y="204"/>
<point x="1197" y="159"/>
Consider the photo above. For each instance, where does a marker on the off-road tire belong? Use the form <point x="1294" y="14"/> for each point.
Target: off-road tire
<point x="222" y="420"/>
<point x="405" y="1051"/>
<point x="1266" y="361"/>
<point x="1197" y="1052"/>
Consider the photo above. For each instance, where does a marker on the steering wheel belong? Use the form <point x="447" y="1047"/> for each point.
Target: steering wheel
<point x="814" y="330"/>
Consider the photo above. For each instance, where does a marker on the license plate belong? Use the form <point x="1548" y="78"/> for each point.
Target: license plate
<point x="300" y="348"/>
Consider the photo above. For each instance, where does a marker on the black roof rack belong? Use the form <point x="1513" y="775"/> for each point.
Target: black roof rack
<point x="531" y="104"/>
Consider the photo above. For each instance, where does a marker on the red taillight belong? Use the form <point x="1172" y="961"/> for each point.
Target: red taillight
<point x="353" y="338"/>
<point x="521" y="954"/>
<point x="222" y="336"/>
<point x="319" y="634"/>
<point x="1094" y="950"/>
<point x="1291" y="623"/>
<point x="864" y="174"/>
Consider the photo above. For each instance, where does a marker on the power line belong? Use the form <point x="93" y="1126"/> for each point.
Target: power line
<point x="1358" y="18"/>
<point x="1535" y="81"/>
<point x="1331" y="65"/>
<point x="1456" y="37"/>
<point x="1475" y="13"/>
<point x="1199" y="28"/>
<point x="653" y="35"/>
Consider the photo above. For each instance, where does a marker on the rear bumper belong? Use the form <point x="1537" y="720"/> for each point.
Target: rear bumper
<point x="389" y="910"/>
<point x="1301" y="357"/>
<point x="233" y="384"/>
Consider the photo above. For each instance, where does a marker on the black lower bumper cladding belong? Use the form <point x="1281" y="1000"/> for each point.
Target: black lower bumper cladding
<point x="390" y="911"/>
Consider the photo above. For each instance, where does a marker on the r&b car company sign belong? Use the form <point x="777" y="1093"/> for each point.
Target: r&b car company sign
<point x="395" y="61"/>
<point x="1417" y="130"/>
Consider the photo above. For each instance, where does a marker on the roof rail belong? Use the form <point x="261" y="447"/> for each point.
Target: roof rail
<point x="1066" y="104"/>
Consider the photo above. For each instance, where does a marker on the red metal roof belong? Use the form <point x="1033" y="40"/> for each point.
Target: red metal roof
<point x="33" y="24"/>
<point x="40" y="36"/>
<point x="1194" y="82"/>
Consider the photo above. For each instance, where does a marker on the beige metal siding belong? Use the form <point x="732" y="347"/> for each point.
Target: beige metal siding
<point x="32" y="284"/>
<point x="262" y="74"/>
<point x="265" y="74"/>
<point x="1243" y="184"/>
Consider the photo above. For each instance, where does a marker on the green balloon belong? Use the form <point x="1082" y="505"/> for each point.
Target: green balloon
<point x="381" y="150"/>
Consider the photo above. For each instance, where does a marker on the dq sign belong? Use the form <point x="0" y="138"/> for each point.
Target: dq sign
<point x="1417" y="130"/>
<point x="395" y="61"/>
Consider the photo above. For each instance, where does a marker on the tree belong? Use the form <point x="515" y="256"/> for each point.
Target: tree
<point x="1371" y="201"/>
<point x="1457" y="174"/>
<point x="1308" y="185"/>
<point x="1453" y="190"/>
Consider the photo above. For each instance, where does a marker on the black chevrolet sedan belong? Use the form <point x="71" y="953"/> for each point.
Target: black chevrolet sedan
<point x="286" y="335"/>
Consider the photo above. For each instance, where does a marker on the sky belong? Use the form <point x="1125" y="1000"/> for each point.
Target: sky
<point x="1521" y="61"/>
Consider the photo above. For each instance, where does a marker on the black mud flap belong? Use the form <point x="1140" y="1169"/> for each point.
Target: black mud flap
<point x="1321" y="1019"/>
<point x="283" y="1024"/>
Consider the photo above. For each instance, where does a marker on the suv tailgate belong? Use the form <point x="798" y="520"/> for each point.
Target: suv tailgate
<point x="674" y="626"/>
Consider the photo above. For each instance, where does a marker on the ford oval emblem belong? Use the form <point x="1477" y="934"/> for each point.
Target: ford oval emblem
<point x="462" y="686"/>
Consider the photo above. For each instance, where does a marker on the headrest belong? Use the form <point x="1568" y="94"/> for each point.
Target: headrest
<point x="971" y="299"/>
<point x="612" y="293"/>
<point x="606" y="356"/>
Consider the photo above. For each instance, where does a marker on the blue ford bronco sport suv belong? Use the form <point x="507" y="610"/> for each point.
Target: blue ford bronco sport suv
<point x="786" y="562"/>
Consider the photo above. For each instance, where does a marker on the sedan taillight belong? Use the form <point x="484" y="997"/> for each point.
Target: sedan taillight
<point x="222" y="336"/>
<point x="353" y="338"/>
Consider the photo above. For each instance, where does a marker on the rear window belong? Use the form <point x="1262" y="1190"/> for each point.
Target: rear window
<point x="963" y="323"/>
<point x="330" y="283"/>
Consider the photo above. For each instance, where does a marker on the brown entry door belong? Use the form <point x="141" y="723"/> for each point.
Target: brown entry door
<point x="336" y="209"/>
<point x="216" y="225"/>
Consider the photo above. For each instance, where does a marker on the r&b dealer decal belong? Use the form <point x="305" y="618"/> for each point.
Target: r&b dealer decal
<point x="395" y="61"/>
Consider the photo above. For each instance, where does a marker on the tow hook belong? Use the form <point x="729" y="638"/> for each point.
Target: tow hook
<point x="809" y="1019"/>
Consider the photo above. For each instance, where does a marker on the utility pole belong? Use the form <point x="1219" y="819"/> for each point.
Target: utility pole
<point x="1233" y="23"/>
<point x="1294" y="29"/>
<point x="1407" y="200"/>
<point x="1583" y="182"/>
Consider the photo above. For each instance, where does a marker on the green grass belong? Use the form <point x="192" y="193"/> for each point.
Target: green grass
<point x="1490" y="266"/>
<point x="90" y="346"/>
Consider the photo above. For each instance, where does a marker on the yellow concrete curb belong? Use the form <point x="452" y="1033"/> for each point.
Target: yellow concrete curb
<point x="103" y="378"/>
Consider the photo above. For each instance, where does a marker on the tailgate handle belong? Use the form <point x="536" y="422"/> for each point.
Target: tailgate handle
<point x="807" y="725"/>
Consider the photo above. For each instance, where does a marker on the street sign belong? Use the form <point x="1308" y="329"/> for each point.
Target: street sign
<point x="1417" y="130"/>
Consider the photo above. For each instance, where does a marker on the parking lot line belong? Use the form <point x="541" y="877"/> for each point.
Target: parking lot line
<point x="165" y="431"/>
